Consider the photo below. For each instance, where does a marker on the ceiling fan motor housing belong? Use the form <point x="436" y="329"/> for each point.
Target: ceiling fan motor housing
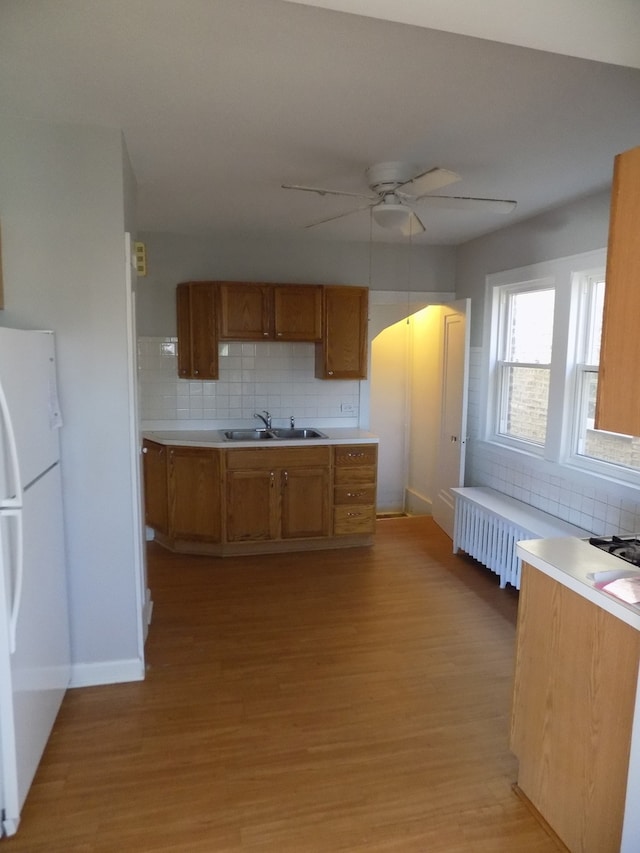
<point x="386" y="177"/>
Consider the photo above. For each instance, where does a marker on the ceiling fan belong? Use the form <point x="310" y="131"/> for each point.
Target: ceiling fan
<point x="398" y="188"/>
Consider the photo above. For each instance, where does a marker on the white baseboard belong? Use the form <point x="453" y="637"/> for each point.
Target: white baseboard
<point x="417" y="504"/>
<point x="106" y="672"/>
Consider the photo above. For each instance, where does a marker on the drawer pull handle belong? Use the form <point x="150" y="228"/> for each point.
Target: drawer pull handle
<point x="354" y="514"/>
<point x="355" y="494"/>
<point x="355" y="455"/>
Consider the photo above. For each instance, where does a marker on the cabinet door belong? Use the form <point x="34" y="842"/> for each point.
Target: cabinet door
<point x="305" y="502"/>
<point x="617" y="410"/>
<point x="342" y="354"/>
<point x="197" y="332"/>
<point x="297" y="311"/>
<point x="573" y="706"/>
<point x="252" y="505"/>
<point x="154" y="472"/>
<point x="194" y="494"/>
<point x="245" y="311"/>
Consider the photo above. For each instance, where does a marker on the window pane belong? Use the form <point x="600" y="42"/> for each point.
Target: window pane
<point x="530" y="327"/>
<point x="525" y="396"/>
<point x="605" y="446"/>
<point x="594" y="322"/>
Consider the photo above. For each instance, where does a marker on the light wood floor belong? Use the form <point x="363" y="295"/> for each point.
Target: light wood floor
<point x="351" y="700"/>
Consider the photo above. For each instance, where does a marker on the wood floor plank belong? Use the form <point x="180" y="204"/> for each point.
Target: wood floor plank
<point x="352" y="700"/>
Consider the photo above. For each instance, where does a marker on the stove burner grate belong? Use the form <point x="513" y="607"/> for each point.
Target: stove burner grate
<point x="625" y="547"/>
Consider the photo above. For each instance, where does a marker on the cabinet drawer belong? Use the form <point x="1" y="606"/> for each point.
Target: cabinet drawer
<point x="355" y="494"/>
<point x="355" y="455"/>
<point x="354" y="476"/>
<point x="259" y="458"/>
<point x="354" y="519"/>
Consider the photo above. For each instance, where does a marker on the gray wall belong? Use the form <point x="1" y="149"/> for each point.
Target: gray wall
<point x="63" y="199"/>
<point x="568" y="230"/>
<point x="172" y="258"/>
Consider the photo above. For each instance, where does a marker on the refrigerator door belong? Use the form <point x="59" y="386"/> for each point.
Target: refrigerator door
<point x="29" y="411"/>
<point x="34" y="678"/>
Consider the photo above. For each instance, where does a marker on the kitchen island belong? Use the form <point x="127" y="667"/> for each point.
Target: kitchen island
<point x="576" y="709"/>
<point x="206" y="494"/>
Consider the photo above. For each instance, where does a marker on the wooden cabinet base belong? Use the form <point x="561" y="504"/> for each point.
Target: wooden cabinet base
<point x="280" y="546"/>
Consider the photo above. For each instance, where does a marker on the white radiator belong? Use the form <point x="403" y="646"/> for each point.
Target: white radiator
<point x="488" y="525"/>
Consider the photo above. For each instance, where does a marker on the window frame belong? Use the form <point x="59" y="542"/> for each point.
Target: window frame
<point x="568" y="368"/>
<point x="501" y="292"/>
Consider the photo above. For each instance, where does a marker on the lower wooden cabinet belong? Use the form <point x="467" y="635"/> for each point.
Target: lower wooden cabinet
<point x="277" y="493"/>
<point x="182" y="491"/>
<point x="354" y="489"/>
<point x="573" y="707"/>
<point x="260" y="499"/>
<point x="156" y="497"/>
<point x="194" y="493"/>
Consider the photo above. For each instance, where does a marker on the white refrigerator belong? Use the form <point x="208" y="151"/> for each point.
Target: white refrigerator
<point x="34" y="624"/>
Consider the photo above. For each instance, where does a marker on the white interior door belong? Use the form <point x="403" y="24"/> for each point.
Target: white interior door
<point x="454" y="370"/>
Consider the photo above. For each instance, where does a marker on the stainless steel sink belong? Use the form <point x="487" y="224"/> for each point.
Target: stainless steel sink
<point x="248" y="434"/>
<point x="295" y="432"/>
<point x="271" y="434"/>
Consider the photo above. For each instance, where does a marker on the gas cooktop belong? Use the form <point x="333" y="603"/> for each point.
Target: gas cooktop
<point x="625" y="547"/>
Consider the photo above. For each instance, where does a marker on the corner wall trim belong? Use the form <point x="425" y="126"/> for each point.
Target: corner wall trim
<point x="106" y="672"/>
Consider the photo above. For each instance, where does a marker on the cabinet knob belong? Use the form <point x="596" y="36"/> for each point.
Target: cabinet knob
<point x="329" y="372"/>
<point x="266" y="334"/>
<point x="145" y="449"/>
<point x="196" y="372"/>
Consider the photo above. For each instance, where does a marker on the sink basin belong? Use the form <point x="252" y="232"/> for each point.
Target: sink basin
<point x="294" y="432"/>
<point x="248" y="434"/>
<point x="270" y="434"/>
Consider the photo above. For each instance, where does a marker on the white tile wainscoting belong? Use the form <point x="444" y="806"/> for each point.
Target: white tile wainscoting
<point x="597" y="504"/>
<point x="275" y="376"/>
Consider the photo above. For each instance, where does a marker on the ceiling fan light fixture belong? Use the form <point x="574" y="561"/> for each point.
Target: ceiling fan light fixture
<point x="394" y="216"/>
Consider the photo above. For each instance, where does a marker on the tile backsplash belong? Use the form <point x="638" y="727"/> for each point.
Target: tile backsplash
<point x="275" y="376"/>
<point x="597" y="504"/>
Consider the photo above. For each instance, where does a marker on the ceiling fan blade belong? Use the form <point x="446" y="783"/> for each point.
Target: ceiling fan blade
<point x="323" y="191"/>
<point x="413" y="225"/>
<point x="428" y="182"/>
<point x="337" y="216"/>
<point x="488" y="205"/>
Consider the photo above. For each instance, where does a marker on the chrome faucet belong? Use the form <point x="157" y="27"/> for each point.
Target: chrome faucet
<point x="265" y="420"/>
<point x="292" y="421"/>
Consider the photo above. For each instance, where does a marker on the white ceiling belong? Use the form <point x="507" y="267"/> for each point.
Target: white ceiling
<point x="222" y="101"/>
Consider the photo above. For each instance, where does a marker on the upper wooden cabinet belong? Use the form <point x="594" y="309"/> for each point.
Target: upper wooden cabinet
<point x="617" y="410"/>
<point x="297" y="312"/>
<point x="342" y="354"/>
<point x="332" y="316"/>
<point x="270" y="312"/>
<point x="197" y="334"/>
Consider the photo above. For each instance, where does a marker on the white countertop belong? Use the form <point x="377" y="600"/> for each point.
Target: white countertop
<point x="577" y="565"/>
<point x="215" y="438"/>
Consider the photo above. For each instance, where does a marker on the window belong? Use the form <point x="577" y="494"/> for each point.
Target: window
<point x="590" y="443"/>
<point x="525" y="332"/>
<point x="545" y="325"/>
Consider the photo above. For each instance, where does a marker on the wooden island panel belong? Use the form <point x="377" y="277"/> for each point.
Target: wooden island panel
<point x="573" y="706"/>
